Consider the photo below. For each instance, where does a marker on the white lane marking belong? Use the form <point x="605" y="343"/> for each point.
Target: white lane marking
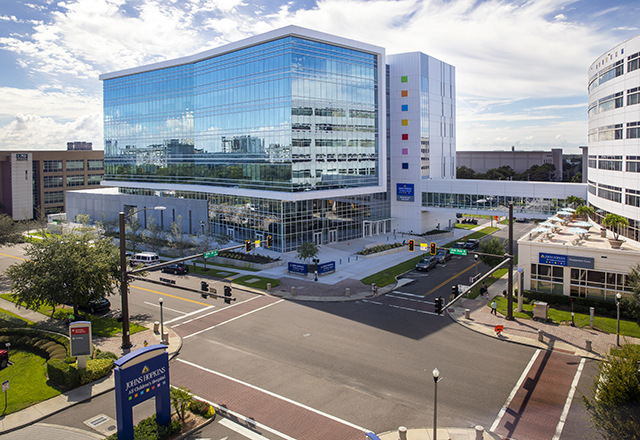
<point x="190" y="313"/>
<point x="514" y="391"/>
<point x="398" y="307"/>
<point x="215" y="311"/>
<point x="241" y="430"/>
<point x="166" y="308"/>
<point x="410" y="299"/>
<point x="408" y="294"/>
<point x="277" y="396"/>
<point x="232" y="319"/>
<point x="567" y="404"/>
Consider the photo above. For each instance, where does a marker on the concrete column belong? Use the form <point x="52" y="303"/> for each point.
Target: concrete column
<point x="467" y="314"/>
<point x="156" y="327"/>
<point x="479" y="432"/>
<point x="293" y="291"/>
<point x="268" y="287"/>
<point x="540" y="336"/>
<point x="588" y="345"/>
<point x="402" y="433"/>
<point x="347" y="291"/>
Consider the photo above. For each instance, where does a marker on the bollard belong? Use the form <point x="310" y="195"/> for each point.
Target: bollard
<point x="479" y="432"/>
<point x="340" y="260"/>
<point x="588" y="345"/>
<point x="540" y="336"/>
<point x="402" y="433"/>
<point x="348" y="259"/>
<point x="165" y="338"/>
<point x="293" y="291"/>
<point x="268" y="287"/>
<point x="592" y="312"/>
<point x="467" y="314"/>
<point x="156" y="327"/>
<point x="347" y="291"/>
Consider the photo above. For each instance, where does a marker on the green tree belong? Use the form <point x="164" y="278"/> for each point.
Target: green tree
<point x="109" y="227"/>
<point x="134" y="231"/>
<point x="585" y="211"/>
<point x="72" y="268"/>
<point x="204" y="242"/>
<point x="577" y="178"/>
<point x="632" y="303"/>
<point x="464" y="172"/>
<point x="307" y="250"/>
<point x="9" y="231"/>
<point x="177" y="238"/>
<point x="574" y="201"/>
<point x="181" y="398"/>
<point x="615" y="222"/>
<point x="614" y="401"/>
<point x="493" y="247"/>
<point x="155" y="236"/>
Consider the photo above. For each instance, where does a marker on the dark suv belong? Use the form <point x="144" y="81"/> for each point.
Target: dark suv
<point x="443" y="255"/>
<point x="426" y="263"/>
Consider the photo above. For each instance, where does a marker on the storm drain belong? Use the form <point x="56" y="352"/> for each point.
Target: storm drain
<point x="103" y="424"/>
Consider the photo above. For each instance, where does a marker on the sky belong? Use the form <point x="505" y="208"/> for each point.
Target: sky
<point x="521" y="66"/>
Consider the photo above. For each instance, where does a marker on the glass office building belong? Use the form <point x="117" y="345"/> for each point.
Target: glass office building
<point x="279" y="133"/>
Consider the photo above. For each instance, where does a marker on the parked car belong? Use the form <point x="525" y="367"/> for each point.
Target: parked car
<point x="146" y="258"/>
<point x="459" y="245"/>
<point x="176" y="269"/>
<point x="472" y="243"/>
<point x="4" y="358"/>
<point x="443" y="255"/>
<point x="426" y="263"/>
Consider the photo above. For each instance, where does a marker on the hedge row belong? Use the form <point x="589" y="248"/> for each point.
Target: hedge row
<point x="259" y="259"/>
<point x="148" y="429"/>
<point x="10" y="321"/>
<point x="379" y="248"/>
<point x="69" y="376"/>
<point x="48" y="345"/>
<point x="582" y="305"/>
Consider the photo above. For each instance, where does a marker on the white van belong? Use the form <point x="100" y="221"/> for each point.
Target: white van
<point x="146" y="258"/>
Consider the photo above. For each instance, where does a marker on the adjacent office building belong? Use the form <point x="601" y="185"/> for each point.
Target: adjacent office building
<point x="35" y="182"/>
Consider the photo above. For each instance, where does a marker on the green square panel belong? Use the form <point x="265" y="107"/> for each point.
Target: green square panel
<point x="404" y="79"/>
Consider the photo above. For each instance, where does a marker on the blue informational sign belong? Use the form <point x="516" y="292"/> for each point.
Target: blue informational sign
<point x="302" y="269"/>
<point x="566" y="260"/>
<point x="404" y="192"/>
<point x="139" y="376"/>
<point x="326" y="267"/>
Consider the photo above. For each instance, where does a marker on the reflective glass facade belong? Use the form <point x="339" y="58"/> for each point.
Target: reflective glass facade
<point x="472" y="202"/>
<point x="291" y="114"/>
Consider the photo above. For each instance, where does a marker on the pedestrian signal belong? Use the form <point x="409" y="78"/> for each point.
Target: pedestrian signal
<point x="269" y="241"/>
<point x="227" y="294"/>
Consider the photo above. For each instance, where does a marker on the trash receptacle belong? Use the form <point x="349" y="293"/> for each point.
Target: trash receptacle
<point x="540" y="310"/>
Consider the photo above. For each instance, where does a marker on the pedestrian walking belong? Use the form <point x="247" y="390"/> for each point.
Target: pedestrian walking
<point x="494" y="308"/>
<point x="374" y="289"/>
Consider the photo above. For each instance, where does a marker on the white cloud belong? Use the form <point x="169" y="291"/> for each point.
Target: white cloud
<point x="28" y="132"/>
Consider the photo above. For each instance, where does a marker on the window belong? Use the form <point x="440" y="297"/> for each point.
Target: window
<point x="608" y="192"/>
<point x="610" y="163"/>
<point x="593" y="109"/>
<point x="405" y="107"/>
<point x="614" y="71"/>
<point x="632" y="197"/>
<point x="610" y="102"/>
<point x="633" y="96"/>
<point x="75" y="180"/>
<point x="94" y="179"/>
<point x="592" y="136"/>
<point x="405" y="122"/>
<point x="404" y="93"/>
<point x="589" y="283"/>
<point x="405" y="151"/>
<point x="52" y="197"/>
<point x="95" y="164"/>
<point x="52" y="181"/>
<point x="75" y="165"/>
<point x="610" y="132"/>
<point x="591" y="186"/>
<point x="633" y="130"/>
<point x="593" y="162"/>
<point x="404" y="79"/>
<point x="632" y="62"/>
<point x="633" y="164"/>
<point x="52" y="166"/>
<point x="547" y="279"/>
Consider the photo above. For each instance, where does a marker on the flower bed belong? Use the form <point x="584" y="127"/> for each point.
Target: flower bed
<point x="380" y="248"/>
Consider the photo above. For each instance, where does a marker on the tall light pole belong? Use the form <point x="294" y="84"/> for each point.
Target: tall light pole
<point x="124" y="277"/>
<point x="436" y="379"/>
<point x="618" y="297"/>
<point x="476" y="258"/>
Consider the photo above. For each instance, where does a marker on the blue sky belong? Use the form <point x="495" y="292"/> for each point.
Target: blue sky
<point x="521" y="66"/>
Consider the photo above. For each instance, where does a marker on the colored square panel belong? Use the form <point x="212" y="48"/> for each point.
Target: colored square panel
<point x="405" y="165"/>
<point x="405" y="93"/>
<point x="405" y="136"/>
<point x="405" y="151"/>
<point x="405" y="107"/>
<point x="405" y="122"/>
<point x="404" y="79"/>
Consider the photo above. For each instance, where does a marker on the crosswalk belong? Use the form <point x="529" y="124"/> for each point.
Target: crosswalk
<point x="405" y="301"/>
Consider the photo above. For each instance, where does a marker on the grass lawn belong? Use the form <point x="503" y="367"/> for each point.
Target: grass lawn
<point x="211" y="265"/>
<point x="260" y="284"/>
<point x="7" y="312"/>
<point x="606" y="324"/>
<point x="213" y="271"/>
<point x="618" y="352"/>
<point x="27" y="381"/>
<point x="464" y="226"/>
<point x="100" y="325"/>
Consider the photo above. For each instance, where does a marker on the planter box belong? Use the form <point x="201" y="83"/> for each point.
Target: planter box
<point x="245" y="264"/>
<point x="387" y="252"/>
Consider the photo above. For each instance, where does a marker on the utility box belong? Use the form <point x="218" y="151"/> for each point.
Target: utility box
<point x="540" y="310"/>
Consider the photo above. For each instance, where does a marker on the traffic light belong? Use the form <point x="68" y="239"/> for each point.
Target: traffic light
<point x="454" y="290"/>
<point x="227" y="294"/>
<point x="432" y="248"/>
<point x="204" y="286"/>
<point x="269" y="241"/>
<point x="247" y="245"/>
<point x="438" y="303"/>
<point x="412" y="245"/>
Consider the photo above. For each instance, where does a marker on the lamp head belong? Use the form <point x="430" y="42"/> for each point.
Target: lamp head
<point x="159" y="208"/>
<point x="436" y="373"/>
<point x="160" y="301"/>
<point x="618" y="295"/>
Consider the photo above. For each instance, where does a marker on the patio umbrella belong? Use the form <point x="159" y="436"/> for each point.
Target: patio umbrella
<point x="564" y="213"/>
<point x="569" y="209"/>
<point x="540" y="229"/>
<point x="583" y="224"/>
<point x="577" y="231"/>
<point x="548" y="225"/>
<point x="555" y="219"/>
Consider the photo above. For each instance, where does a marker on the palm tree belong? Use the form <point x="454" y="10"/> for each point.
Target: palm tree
<point x="574" y="201"/>
<point x="585" y="211"/>
<point x="615" y="222"/>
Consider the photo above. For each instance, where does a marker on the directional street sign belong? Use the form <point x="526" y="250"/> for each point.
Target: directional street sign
<point x="210" y="254"/>
<point x="456" y="251"/>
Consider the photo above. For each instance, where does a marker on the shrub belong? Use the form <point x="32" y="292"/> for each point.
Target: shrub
<point x="9" y="321"/>
<point x="104" y="355"/>
<point x="199" y="407"/>
<point x="62" y="373"/>
<point x="96" y="369"/>
<point x="148" y="429"/>
<point x="70" y="360"/>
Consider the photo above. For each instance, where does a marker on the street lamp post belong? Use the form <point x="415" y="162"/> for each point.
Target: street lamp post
<point x="618" y="297"/>
<point x="476" y="257"/>
<point x="436" y="379"/>
<point x="124" y="277"/>
<point x="162" y="341"/>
